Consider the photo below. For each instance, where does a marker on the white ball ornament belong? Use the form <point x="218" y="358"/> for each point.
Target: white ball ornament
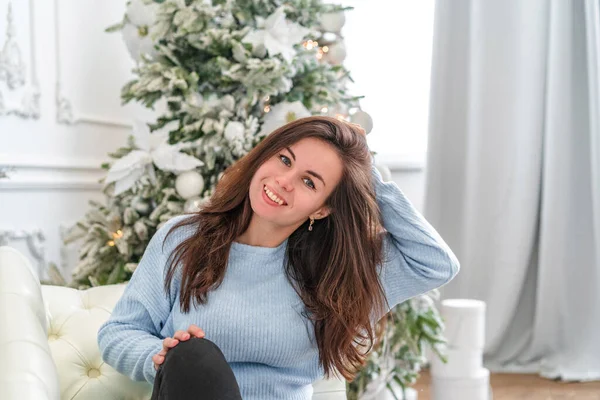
<point x="363" y="119"/>
<point x="333" y="22"/>
<point x="337" y="53"/>
<point x="189" y="184"/>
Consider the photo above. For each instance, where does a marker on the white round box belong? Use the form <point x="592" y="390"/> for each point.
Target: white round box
<point x="462" y="363"/>
<point x="474" y="388"/>
<point x="464" y="321"/>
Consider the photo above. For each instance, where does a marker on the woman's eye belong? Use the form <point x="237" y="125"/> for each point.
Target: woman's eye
<point x="285" y="160"/>
<point x="310" y="183"/>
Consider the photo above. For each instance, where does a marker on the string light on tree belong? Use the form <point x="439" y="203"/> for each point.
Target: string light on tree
<point x="116" y="235"/>
<point x="322" y="51"/>
<point x="310" y="44"/>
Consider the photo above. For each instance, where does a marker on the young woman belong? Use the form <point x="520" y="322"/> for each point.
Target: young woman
<point x="280" y="279"/>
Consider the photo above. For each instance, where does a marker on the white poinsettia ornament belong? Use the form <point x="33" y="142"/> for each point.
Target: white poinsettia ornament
<point x="154" y="150"/>
<point x="278" y="35"/>
<point x="281" y="114"/>
<point x="234" y="131"/>
<point x="139" y="20"/>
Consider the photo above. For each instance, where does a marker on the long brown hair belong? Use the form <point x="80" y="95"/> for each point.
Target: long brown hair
<point x="333" y="268"/>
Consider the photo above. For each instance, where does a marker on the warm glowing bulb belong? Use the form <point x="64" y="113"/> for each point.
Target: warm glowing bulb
<point x="110" y="243"/>
<point x="325" y="49"/>
<point x="310" y="44"/>
<point x="267" y="109"/>
<point x="324" y="109"/>
<point x="118" y="234"/>
<point x="267" y="98"/>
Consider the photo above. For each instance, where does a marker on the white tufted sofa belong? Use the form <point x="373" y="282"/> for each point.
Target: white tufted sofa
<point x="48" y="347"/>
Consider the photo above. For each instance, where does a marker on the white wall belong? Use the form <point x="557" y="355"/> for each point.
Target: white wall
<point x="412" y="183"/>
<point x="57" y="144"/>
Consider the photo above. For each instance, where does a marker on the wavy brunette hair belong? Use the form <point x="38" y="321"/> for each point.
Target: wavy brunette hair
<point x="333" y="268"/>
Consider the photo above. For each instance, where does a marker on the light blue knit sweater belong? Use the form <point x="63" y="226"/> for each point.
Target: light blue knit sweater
<point x="255" y="315"/>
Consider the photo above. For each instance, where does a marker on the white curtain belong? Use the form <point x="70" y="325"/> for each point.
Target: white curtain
<point x="513" y="175"/>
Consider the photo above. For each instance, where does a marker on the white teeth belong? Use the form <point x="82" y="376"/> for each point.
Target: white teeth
<point x="273" y="197"/>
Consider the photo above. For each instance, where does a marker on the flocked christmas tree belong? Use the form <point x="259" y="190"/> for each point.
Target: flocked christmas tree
<point x="228" y="72"/>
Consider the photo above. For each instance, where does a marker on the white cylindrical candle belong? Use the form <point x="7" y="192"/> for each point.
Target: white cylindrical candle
<point x="465" y="323"/>
<point x="462" y="363"/>
<point x="474" y="388"/>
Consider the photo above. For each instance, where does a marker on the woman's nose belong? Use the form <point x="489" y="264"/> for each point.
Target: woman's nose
<point x="285" y="182"/>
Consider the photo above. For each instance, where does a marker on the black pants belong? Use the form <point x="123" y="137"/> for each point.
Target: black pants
<point x="195" y="369"/>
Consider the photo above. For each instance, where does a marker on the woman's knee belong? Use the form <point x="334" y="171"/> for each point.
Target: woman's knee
<point x="196" y="353"/>
<point x="195" y="365"/>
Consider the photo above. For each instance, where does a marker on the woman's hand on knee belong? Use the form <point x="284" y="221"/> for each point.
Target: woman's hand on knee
<point x="169" y="343"/>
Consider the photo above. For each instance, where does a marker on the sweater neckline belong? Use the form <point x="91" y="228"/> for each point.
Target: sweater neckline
<point x="247" y="248"/>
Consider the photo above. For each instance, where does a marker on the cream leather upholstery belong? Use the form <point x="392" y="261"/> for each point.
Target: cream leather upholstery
<point x="48" y="347"/>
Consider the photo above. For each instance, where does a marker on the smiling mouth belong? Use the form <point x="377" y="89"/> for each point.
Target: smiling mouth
<point x="273" y="197"/>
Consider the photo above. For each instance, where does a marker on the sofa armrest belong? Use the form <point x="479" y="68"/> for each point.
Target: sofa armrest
<point x="27" y="370"/>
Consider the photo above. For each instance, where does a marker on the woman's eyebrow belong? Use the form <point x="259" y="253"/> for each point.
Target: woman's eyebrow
<point x="313" y="173"/>
<point x="291" y="152"/>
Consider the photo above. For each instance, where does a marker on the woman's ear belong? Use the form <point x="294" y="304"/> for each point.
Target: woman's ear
<point x="321" y="212"/>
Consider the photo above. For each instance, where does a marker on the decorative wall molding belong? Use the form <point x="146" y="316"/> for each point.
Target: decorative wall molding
<point x="36" y="243"/>
<point x="51" y="184"/>
<point x="65" y="112"/>
<point x="13" y="70"/>
<point x="28" y="173"/>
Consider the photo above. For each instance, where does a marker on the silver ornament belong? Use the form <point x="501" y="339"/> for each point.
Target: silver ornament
<point x="363" y="119"/>
<point x="337" y="53"/>
<point x="333" y="22"/>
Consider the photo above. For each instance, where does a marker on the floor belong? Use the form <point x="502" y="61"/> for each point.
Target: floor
<point x="530" y="387"/>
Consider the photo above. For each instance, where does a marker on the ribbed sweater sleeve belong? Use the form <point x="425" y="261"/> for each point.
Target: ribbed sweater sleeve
<point x="416" y="258"/>
<point x="131" y="335"/>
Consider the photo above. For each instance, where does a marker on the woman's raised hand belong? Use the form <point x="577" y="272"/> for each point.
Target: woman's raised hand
<point x="169" y="343"/>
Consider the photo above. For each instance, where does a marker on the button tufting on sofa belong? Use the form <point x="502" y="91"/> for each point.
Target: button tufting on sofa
<point x="93" y="373"/>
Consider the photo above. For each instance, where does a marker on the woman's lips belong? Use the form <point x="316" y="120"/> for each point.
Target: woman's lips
<point x="269" y="201"/>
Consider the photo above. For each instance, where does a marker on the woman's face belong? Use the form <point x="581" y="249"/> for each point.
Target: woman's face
<point x="299" y="178"/>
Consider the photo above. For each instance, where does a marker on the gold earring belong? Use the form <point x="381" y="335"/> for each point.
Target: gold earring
<point x="312" y="221"/>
